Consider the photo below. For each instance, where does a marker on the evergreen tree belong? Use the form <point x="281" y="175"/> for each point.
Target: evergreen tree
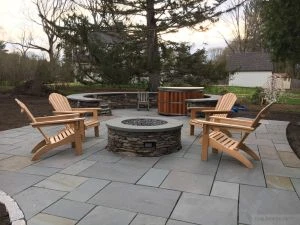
<point x="281" y="31"/>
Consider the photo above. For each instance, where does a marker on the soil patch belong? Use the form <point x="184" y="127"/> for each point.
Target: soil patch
<point x="10" y="116"/>
<point x="4" y="217"/>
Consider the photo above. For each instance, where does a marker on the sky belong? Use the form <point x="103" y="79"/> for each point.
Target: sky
<point x="15" y="14"/>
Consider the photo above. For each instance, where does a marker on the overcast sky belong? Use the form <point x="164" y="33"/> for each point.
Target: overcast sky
<point x="14" y="19"/>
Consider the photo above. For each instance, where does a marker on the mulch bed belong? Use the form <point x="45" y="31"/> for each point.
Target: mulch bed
<point x="4" y="217"/>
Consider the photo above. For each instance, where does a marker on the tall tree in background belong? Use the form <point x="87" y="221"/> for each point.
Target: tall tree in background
<point x="245" y="22"/>
<point x="152" y="18"/>
<point x="140" y="23"/>
<point x="50" y="14"/>
<point x="281" y="30"/>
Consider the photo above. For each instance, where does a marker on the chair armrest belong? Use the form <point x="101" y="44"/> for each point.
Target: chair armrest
<point x="225" y="125"/>
<point x="200" y="108"/>
<point x="86" y="109"/>
<point x="57" y="117"/>
<point x="56" y="122"/>
<point x="93" y="111"/>
<point x="194" y="110"/>
<point x="243" y="122"/>
<point x="216" y="111"/>
<point x="67" y="112"/>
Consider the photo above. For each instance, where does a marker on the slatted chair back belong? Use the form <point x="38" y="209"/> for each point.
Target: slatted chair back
<point x="143" y="96"/>
<point x="226" y="102"/>
<point x="59" y="102"/>
<point x="61" y="105"/>
<point x="143" y="99"/>
<point x="261" y="115"/>
<point x="25" y="110"/>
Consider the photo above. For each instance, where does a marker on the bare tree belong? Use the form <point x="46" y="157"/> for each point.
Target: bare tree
<point x="23" y="46"/>
<point x="50" y="14"/>
<point x="244" y="22"/>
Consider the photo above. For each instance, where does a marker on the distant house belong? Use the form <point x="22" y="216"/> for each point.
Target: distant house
<point x="250" y="69"/>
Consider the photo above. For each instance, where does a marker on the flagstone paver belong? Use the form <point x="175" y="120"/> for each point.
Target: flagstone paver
<point x="13" y="182"/>
<point x="6" y="148"/>
<point x="188" y="182"/>
<point x="279" y="182"/>
<point x="4" y="156"/>
<point x="189" y="165"/>
<point x="147" y="162"/>
<point x="142" y="219"/>
<point x="225" y="190"/>
<point x="101" y="187"/>
<point x="206" y="210"/>
<point x="69" y="209"/>
<point x="33" y="200"/>
<point x="268" y="152"/>
<point x="233" y="171"/>
<point x="289" y="159"/>
<point x="107" y="216"/>
<point x="259" y="202"/>
<point x="38" y="170"/>
<point x="78" y="167"/>
<point x="115" y="172"/>
<point x="153" y="177"/>
<point x="296" y="184"/>
<point x="142" y="199"/>
<point x="87" y="190"/>
<point x="105" y="156"/>
<point x="45" y="219"/>
<point x="276" y="168"/>
<point x="176" y="222"/>
<point x="15" y="163"/>
<point x="283" y="148"/>
<point x="61" y="182"/>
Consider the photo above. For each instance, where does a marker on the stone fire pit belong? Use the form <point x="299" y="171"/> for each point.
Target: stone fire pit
<point x="144" y="136"/>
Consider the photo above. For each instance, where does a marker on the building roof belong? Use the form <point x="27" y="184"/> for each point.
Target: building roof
<point x="249" y="61"/>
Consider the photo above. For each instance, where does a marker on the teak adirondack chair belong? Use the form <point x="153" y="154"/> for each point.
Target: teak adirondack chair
<point x="73" y="126"/>
<point x="219" y="141"/>
<point x="223" y="107"/>
<point x="143" y="99"/>
<point x="61" y="105"/>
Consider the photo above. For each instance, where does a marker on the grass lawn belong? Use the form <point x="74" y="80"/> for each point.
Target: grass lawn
<point x="290" y="97"/>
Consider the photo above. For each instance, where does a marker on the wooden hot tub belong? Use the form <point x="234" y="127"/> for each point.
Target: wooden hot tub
<point x="171" y="100"/>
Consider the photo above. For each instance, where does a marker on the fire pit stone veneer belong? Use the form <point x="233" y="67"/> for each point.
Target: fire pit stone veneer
<point x="144" y="136"/>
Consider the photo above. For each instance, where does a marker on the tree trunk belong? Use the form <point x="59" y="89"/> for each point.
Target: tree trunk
<point x="153" y="61"/>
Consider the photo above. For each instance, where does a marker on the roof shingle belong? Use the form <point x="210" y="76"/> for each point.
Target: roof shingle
<point x="249" y="61"/>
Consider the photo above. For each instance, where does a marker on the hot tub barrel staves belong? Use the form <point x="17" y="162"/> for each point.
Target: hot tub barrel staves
<point x="171" y="100"/>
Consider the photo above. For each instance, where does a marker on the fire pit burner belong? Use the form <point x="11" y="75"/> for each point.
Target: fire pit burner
<point x="147" y="136"/>
<point x="144" y="122"/>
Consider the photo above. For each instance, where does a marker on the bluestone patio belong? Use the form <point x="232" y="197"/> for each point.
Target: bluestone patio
<point x="100" y="187"/>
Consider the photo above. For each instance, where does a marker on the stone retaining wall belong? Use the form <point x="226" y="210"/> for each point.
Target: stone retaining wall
<point x="115" y="100"/>
<point x="144" y="143"/>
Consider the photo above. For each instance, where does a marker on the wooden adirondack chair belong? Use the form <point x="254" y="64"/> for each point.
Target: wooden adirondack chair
<point x="219" y="141"/>
<point x="223" y="107"/>
<point x="143" y="99"/>
<point x="73" y="126"/>
<point x="61" y="105"/>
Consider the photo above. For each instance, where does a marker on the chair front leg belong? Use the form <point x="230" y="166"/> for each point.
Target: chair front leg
<point x="205" y="142"/>
<point x="96" y="129"/>
<point x="192" y="130"/>
<point x="38" y="146"/>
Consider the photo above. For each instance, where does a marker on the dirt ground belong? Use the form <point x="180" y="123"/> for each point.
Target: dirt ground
<point x="10" y="116"/>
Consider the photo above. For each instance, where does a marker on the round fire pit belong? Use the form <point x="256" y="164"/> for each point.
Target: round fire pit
<point x="144" y="136"/>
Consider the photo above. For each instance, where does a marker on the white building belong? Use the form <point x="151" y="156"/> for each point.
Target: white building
<point x="250" y="69"/>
